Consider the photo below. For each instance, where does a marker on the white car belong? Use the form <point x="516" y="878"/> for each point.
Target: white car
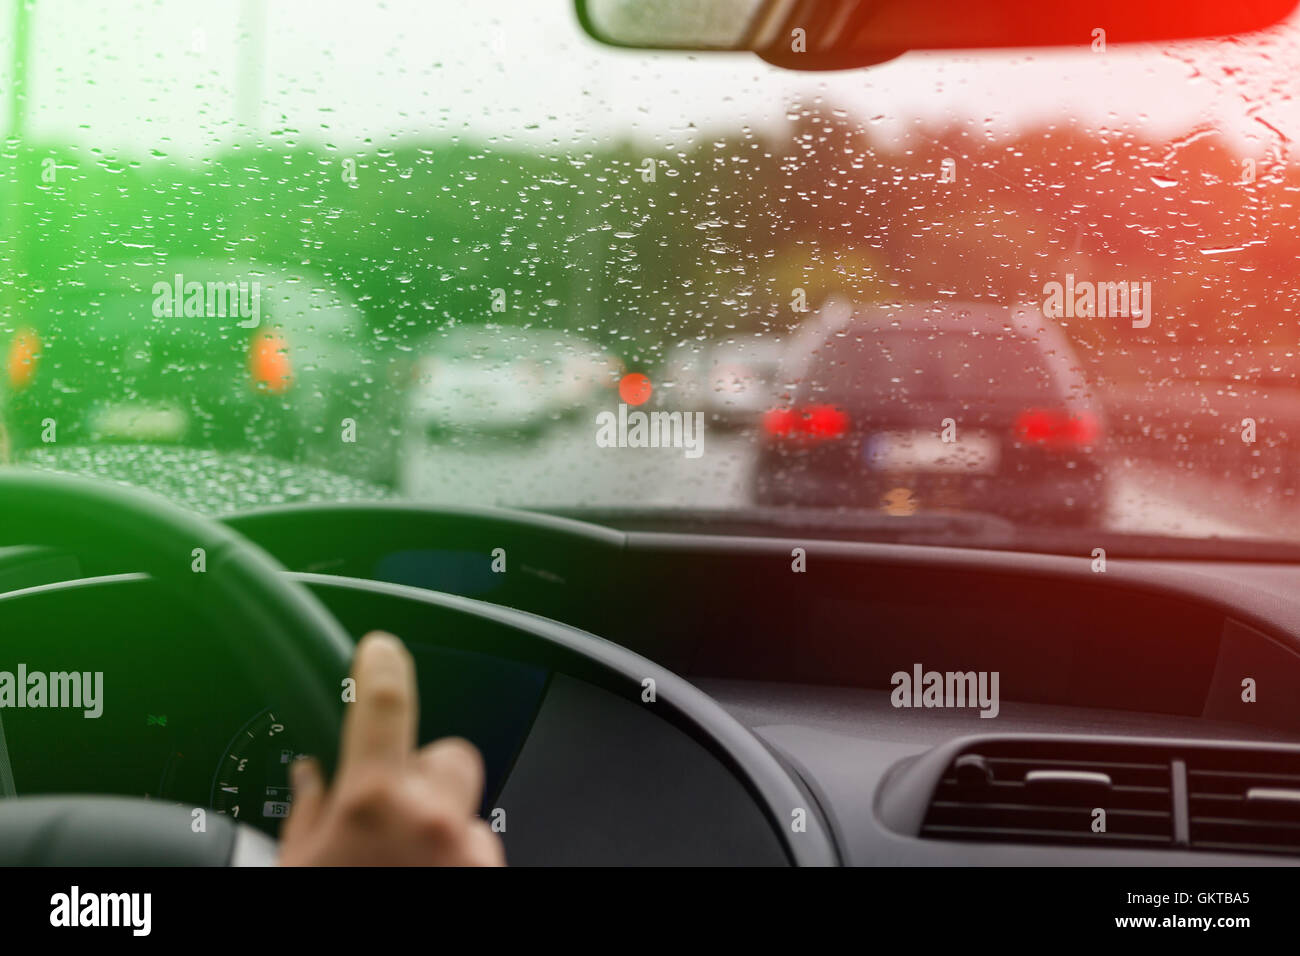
<point x="730" y="381"/>
<point x="498" y="378"/>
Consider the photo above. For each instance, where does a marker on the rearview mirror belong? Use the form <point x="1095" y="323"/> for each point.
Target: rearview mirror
<point x="840" y="34"/>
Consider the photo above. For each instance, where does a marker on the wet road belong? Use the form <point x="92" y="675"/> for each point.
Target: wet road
<point x="565" y="467"/>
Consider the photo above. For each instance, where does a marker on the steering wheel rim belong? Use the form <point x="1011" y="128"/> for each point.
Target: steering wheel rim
<point x="291" y="647"/>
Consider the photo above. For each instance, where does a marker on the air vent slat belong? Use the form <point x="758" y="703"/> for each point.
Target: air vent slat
<point x="1283" y="826"/>
<point x="1245" y="774"/>
<point x="1119" y="797"/>
<point x="1225" y="847"/>
<point x="1058" y="762"/>
<point x="1028" y="808"/>
<point x="1018" y="835"/>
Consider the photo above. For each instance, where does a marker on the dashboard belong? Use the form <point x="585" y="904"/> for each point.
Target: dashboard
<point x="1160" y="692"/>
<point x="1175" y="681"/>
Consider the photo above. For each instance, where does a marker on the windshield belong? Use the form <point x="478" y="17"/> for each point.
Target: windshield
<point x="461" y="254"/>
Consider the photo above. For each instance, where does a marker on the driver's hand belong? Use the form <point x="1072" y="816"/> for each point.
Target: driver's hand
<point x="390" y="805"/>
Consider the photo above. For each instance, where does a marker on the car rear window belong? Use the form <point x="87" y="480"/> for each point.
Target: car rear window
<point x="906" y="366"/>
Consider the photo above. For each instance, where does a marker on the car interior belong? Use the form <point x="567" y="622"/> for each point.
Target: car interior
<point x="861" y="676"/>
<point x="775" y="704"/>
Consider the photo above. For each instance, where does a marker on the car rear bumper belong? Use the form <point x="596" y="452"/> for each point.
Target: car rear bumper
<point x="1076" y="496"/>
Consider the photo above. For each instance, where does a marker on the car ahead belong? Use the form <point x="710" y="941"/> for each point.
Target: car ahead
<point x="199" y="354"/>
<point x="945" y="407"/>
<point x="731" y="381"/>
<point x="505" y="380"/>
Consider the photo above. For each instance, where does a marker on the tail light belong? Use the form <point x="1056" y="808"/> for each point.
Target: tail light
<point x="268" y="363"/>
<point x="809" y="424"/>
<point x="24" y="351"/>
<point x="1056" y="429"/>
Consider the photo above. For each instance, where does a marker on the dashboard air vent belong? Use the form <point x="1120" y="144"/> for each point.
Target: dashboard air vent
<point x="1219" y="797"/>
<point x="1031" y="791"/>
<point x="1244" y="800"/>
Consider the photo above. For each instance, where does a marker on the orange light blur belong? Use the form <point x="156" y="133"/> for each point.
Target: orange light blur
<point x="23" y="354"/>
<point x="634" y="389"/>
<point x="268" y="362"/>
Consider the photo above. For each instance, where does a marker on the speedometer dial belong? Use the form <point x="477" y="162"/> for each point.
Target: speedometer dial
<point x="251" y="782"/>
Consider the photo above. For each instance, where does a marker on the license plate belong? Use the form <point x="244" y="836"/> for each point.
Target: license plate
<point x="973" y="454"/>
<point x="140" y="423"/>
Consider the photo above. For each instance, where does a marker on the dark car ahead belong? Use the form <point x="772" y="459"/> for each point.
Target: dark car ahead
<point x="970" y="408"/>
<point x="197" y="355"/>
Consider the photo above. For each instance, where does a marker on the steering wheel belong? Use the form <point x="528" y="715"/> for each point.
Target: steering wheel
<point x="290" y="646"/>
<point x="297" y="652"/>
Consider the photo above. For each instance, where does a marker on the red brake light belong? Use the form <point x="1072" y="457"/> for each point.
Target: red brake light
<point x="1056" y="429"/>
<point x="268" y="363"/>
<point x="24" y="351"/>
<point x="811" y="423"/>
